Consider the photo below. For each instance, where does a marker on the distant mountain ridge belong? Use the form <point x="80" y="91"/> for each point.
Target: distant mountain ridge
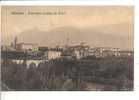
<point x="91" y="36"/>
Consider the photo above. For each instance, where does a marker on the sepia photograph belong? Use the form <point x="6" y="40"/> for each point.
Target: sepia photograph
<point x="67" y="48"/>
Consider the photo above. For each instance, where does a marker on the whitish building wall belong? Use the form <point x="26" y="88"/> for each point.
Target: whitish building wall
<point x="53" y="55"/>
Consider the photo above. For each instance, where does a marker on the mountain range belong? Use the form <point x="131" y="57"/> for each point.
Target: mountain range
<point x="116" y="36"/>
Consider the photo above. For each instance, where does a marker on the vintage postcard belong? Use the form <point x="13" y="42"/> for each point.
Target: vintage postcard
<point x="67" y="48"/>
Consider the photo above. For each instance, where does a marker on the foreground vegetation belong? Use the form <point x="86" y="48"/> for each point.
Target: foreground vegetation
<point x="108" y="73"/>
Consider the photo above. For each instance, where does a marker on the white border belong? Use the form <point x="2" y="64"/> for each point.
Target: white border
<point x="58" y="2"/>
<point x="92" y="95"/>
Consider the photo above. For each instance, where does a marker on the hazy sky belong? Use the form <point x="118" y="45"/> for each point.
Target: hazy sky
<point x="44" y="18"/>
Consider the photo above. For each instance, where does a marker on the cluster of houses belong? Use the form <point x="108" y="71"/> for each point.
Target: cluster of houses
<point x="75" y="51"/>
